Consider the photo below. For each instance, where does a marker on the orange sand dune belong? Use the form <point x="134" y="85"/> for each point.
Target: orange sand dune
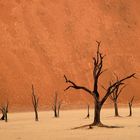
<point x="41" y="40"/>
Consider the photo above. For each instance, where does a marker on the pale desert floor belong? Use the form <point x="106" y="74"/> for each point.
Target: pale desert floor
<point x="21" y="126"/>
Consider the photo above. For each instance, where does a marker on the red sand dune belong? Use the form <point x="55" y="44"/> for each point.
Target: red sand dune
<point x="41" y="40"/>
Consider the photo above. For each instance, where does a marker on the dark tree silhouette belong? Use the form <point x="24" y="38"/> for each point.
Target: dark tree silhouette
<point x="130" y="106"/>
<point x="88" y="114"/>
<point x="2" y="118"/>
<point x="4" y="110"/>
<point x="97" y="72"/>
<point x="56" y="105"/>
<point x="59" y="107"/>
<point x="35" y="100"/>
<point x="114" y="97"/>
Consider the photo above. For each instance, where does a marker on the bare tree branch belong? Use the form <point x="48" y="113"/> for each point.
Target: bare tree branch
<point x="111" y="88"/>
<point x="131" y="101"/>
<point x="73" y="85"/>
<point x="120" y="90"/>
<point x="4" y="110"/>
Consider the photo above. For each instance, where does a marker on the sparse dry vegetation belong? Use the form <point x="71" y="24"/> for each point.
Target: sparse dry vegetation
<point x="56" y="105"/>
<point x="88" y="113"/>
<point x="35" y="100"/>
<point x="114" y="97"/>
<point x="130" y="106"/>
<point x="4" y="110"/>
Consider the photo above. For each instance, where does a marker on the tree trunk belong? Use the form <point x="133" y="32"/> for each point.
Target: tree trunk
<point x="2" y="118"/>
<point x="55" y="112"/>
<point x="6" y="119"/>
<point x="58" y="110"/>
<point x="97" y="113"/>
<point x="130" y="108"/>
<point x="88" y="112"/>
<point x="116" y="109"/>
<point x="36" y="115"/>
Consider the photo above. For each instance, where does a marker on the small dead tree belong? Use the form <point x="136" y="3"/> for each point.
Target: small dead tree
<point x="59" y="107"/>
<point x="4" y="110"/>
<point x="88" y="114"/>
<point x="97" y="72"/>
<point x="130" y="106"/>
<point x="2" y="118"/>
<point x="114" y="97"/>
<point x="56" y="105"/>
<point x="35" y="100"/>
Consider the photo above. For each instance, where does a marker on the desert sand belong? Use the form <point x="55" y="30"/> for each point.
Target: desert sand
<point x="41" y="40"/>
<point x="21" y="126"/>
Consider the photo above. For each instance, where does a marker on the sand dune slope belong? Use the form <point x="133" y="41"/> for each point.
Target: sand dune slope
<point x="41" y="40"/>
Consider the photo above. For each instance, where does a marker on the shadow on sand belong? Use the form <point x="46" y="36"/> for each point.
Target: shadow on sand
<point x="91" y="126"/>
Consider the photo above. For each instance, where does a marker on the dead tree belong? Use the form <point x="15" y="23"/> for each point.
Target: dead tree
<point x="130" y="106"/>
<point x="114" y="97"/>
<point x="4" y="110"/>
<point x="97" y="72"/>
<point x="56" y="106"/>
<point x="2" y="118"/>
<point x="35" y="100"/>
<point x="59" y="106"/>
<point x="88" y="114"/>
